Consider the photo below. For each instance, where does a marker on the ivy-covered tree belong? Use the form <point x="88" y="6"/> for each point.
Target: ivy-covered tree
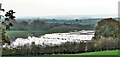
<point x="8" y="17"/>
<point x="6" y="24"/>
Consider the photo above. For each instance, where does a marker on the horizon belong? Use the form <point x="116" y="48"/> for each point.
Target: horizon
<point x="45" y="8"/>
<point x="71" y="17"/>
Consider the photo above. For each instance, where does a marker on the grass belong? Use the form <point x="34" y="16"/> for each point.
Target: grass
<point x="20" y="33"/>
<point x="25" y="33"/>
<point x="107" y="52"/>
<point x="113" y="53"/>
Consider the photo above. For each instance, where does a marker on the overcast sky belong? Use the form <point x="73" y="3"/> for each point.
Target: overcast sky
<point x="61" y="7"/>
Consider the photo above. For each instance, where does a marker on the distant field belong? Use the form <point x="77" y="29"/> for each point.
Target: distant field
<point x="113" y="53"/>
<point x="25" y="33"/>
<point x="18" y="33"/>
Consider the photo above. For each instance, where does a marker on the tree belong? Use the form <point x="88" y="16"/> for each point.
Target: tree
<point x="107" y="28"/>
<point x="6" y="24"/>
<point x="37" y="24"/>
<point x="76" y="20"/>
<point x="8" y="18"/>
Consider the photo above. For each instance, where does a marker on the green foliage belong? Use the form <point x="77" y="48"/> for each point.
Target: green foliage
<point x="65" y="48"/>
<point x="107" y="28"/>
<point x="48" y="24"/>
<point x="6" y="24"/>
<point x="24" y="33"/>
<point x="38" y="22"/>
<point x="112" y="53"/>
<point x="4" y="39"/>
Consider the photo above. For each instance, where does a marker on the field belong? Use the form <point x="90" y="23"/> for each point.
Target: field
<point x="113" y="53"/>
<point x="25" y="33"/>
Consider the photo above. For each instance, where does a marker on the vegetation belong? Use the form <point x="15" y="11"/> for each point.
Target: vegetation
<point x="65" y="48"/>
<point x="112" y="53"/>
<point x="6" y="24"/>
<point x="96" y="44"/>
<point x="24" y="33"/>
<point x="48" y="24"/>
<point x="108" y="28"/>
<point x="4" y="39"/>
<point x="107" y="52"/>
<point x="106" y="37"/>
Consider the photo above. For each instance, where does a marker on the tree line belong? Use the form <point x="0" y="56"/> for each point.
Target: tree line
<point x="45" y="24"/>
<point x="65" y="48"/>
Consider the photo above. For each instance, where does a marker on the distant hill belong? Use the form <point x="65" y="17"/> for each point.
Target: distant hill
<point x="108" y="28"/>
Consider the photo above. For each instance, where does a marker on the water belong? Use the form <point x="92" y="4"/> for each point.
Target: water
<point x="54" y="38"/>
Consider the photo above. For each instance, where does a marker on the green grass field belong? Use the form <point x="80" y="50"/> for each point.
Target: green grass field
<point x="113" y="53"/>
<point x="24" y="33"/>
<point x="18" y="33"/>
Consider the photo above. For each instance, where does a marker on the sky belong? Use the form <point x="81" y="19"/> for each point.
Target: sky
<point x="61" y="7"/>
